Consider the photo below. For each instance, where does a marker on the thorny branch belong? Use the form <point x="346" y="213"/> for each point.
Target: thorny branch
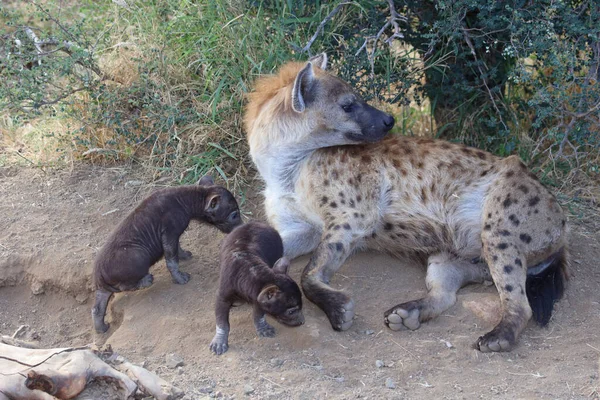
<point x="393" y="22"/>
<point x="322" y="25"/>
<point x="483" y="78"/>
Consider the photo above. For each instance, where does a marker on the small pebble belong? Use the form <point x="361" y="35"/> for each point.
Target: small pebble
<point x="389" y="383"/>
<point x="379" y="364"/>
<point x="173" y="361"/>
<point x="276" y="362"/>
<point x="248" y="389"/>
<point x="369" y="332"/>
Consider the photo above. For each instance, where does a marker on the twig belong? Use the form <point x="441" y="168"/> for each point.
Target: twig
<point x="335" y="10"/>
<point x="392" y="21"/>
<point x="598" y="350"/>
<point x="36" y="43"/>
<point x="483" y="78"/>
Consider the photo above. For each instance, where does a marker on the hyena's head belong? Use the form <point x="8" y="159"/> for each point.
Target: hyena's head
<point x="304" y="107"/>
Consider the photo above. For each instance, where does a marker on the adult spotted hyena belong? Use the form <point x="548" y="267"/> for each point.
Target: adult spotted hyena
<point x="334" y="184"/>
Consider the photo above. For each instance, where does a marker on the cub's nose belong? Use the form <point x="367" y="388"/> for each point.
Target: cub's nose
<point x="388" y="121"/>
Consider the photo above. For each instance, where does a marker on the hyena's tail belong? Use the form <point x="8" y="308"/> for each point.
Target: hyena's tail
<point x="545" y="285"/>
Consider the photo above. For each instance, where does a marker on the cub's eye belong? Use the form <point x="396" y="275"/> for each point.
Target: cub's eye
<point x="291" y="311"/>
<point x="347" y="107"/>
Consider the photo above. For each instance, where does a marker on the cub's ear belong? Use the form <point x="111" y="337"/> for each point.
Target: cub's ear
<point x="319" y="61"/>
<point x="303" y="84"/>
<point x="212" y="203"/>
<point x="282" y="265"/>
<point x="206" y="180"/>
<point x="267" y="294"/>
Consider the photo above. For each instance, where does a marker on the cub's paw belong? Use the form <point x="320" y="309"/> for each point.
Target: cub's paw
<point x="184" y="254"/>
<point x="265" y="330"/>
<point x="181" y="278"/>
<point x="145" y="282"/>
<point x="403" y="316"/>
<point x="340" y="311"/>
<point x="219" y="345"/>
<point x="499" y="339"/>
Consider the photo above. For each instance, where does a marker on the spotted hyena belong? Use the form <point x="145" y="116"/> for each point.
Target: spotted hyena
<point x="336" y="184"/>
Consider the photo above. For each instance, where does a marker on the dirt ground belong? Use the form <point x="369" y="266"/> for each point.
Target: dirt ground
<point x="53" y="223"/>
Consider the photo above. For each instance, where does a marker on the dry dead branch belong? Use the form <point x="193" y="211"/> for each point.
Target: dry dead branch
<point x="63" y="373"/>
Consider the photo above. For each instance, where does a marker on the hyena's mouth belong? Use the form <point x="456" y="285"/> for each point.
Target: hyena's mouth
<point x="362" y="138"/>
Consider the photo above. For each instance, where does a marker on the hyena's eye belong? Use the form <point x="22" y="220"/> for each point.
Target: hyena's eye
<point x="347" y="107"/>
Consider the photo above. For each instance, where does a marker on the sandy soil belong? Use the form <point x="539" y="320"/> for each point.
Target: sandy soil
<point x="52" y="224"/>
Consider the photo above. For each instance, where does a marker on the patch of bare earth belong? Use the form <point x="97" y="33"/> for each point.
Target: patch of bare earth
<point x="52" y="224"/>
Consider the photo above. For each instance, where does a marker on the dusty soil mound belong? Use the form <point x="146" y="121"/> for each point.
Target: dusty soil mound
<point x="52" y="225"/>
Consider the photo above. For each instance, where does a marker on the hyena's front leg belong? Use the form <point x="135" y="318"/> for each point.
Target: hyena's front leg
<point x="326" y="260"/>
<point x="507" y="266"/>
<point x="220" y="342"/>
<point x="445" y="275"/>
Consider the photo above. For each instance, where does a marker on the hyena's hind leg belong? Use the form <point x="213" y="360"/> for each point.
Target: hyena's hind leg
<point x="445" y="275"/>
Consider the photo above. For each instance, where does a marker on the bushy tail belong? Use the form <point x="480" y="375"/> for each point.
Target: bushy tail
<point x="545" y="285"/>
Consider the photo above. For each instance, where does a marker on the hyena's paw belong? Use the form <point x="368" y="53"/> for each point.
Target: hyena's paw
<point x="181" y="278"/>
<point x="145" y="282"/>
<point x="499" y="339"/>
<point x="265" y="330"/>
<point x="219" y="345"/>
<point x="184" y="254"/>
<point x="403" y="316"/>
<point x="340" y="311"/>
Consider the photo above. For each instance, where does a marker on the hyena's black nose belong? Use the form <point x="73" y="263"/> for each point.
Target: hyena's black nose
<point x="388" y="121"/>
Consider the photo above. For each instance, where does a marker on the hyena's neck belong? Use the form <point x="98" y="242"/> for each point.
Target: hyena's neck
<point x="280" y="169"/>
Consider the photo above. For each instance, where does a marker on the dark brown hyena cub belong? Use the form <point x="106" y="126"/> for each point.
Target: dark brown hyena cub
<point x="153" y="230"/>
<point x="254" y="270"/>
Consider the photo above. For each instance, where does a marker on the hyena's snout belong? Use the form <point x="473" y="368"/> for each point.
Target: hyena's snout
<point x="374" y="124"/>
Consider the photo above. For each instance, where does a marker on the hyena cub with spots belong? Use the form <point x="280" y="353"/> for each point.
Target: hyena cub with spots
<point x="334" y="185"/>
<point x="153" y="230"/>
<point x="254" y="270"/>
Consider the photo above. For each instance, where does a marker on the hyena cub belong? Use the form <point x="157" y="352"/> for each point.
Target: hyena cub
<point x="153" y="230"/>
<point x="254" y="270"/>
<point x="335" y="185"/>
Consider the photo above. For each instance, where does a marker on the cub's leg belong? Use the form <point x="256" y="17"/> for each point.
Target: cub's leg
<point x="220" y="342"/>
<point x="99" y="310"/>
<point x="263" y="328"/>
<point x="445" y="275"/>
<point x="171" y="248"/>
<point x="183" y="254"/>
<point x="326" y="260"/>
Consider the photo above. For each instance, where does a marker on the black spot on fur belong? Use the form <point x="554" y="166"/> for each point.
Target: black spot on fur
<point x="339" y="246"/>
<point x="489" y="215"/>
<point x="347" y="226"/>
<point x="328" y="236"/>
<point x="513" y="218"/>
<point x="533" y="201"/>
<point x="487" y="227"/>
<point x="494" y="258"/>
<point x="388" y="226"/>
<point x="509" y="174"/>
<point x="508" y="288"/>
<point x="351" y="203"/>
<point x="507" y="202"/>
<point x="523" y="189"/>
<point x="324" y="200"/>
<point x="502" y="246"/>
<point x="358" y="198"/>
<point x="333" y="204"/>
<point x="508" y="269"/>
<point x="355" y="215"/>
<point x="525" y="237"/>
<point x="518" y="262"/>
<point x="504" y="232"/>
<point x="326" y="182"/>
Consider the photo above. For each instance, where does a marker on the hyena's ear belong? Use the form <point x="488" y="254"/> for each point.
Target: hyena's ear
<point x="319" y="61"/>
<point x="302" y="85"/>
<point x="267" y="294"/>
<point x="282" y="265"/>
<point x="213" y="203"/>
<point x="206" y="180"/>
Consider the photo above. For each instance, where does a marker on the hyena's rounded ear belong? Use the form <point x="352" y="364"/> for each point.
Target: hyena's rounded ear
<point x="267" y="294"/>
<point x="319" y="61"/>
<point x="282" y="265"/>
<point x="206" y="180"/>
<point x="302" y="86"/>
<point x="213" y="203"/>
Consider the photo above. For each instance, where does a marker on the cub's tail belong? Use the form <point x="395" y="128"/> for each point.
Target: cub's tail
<point x="545" y="285"/>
